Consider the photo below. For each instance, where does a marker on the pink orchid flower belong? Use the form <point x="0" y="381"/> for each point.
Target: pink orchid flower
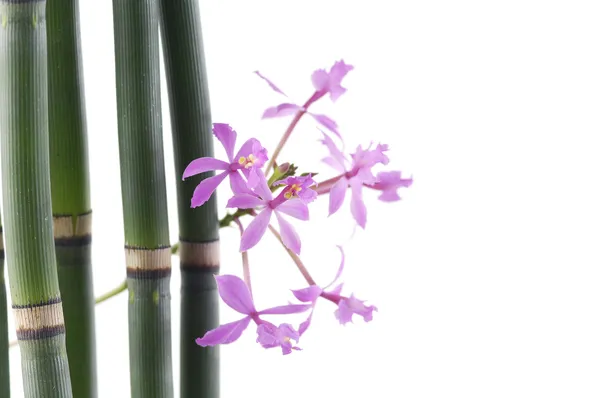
<point x="347" y="306"/>
<point x="324" y="83"/>
<point x="290" y="201"/>
<point x="246" y="162"/>
<point x="235" y="293"/>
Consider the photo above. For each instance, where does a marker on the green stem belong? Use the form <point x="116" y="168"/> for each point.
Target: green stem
<point x="4" y="365"/>
<point x="199" y="227"/>
<point x="147" y="246"/>
<point x="112" y="293"/>
<point x="69" y="175"/>
<point x="34" y="286"/>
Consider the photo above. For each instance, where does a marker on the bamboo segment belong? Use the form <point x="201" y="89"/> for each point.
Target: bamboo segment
<point x="198" y="228"/>
<point x="69" y="175"/>
<point x="144" y="197"/>
<point x="4" y="365"/>
<point x="32" y="269"/>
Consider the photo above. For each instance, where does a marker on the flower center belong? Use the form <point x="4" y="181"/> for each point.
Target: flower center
<point x="247" y="162"/>
<point x="293" y="191"/>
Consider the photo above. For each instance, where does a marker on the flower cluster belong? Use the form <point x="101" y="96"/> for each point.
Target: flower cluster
<point x="265" y="191"/>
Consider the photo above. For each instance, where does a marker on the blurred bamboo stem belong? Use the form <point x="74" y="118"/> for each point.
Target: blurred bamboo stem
<point x="198" y="228"/>
<point x="4" y="346"/>
<point x="147" y="246"/>
<point x="28" y="225"/>
<point x="69" y="175"/>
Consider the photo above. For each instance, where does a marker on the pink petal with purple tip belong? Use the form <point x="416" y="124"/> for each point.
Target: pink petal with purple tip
<point x="235" y="293"/>
<point x="227" y="136"/>
<point x="206" y="188"/>
<point x="357" y="205"/>
<point x="245" y="201"/>
<point x="281" y="110"/>
<point x="337" y="195"/>
<point x="224" y="334"/>
<point x="202" y="165"/>
<point x="256" y="230"/>
<point x="286" y="309"/>
<point x="327" y="122"/>
<point x="295" y="208"/>
<point x="289" y="236"/>
<point x="270" y="83"/>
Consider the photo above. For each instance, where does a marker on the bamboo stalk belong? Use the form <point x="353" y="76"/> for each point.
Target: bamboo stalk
<point x="198" y="228"/>
<point x="34" y="287"/>
<point x="4" y="364"/>
<point x="69" y="176"/>
<point x="147" y="246"/>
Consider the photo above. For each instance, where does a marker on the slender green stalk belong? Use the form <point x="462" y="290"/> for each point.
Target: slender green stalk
<point x="34" y="287"/>
<point x="198" y="228"/>
<point x="4" y="368"/>
<point x="147" y="246"/>
<point x="69" y="175"/>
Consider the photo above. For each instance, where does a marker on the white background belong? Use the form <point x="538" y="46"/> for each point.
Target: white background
<point x="485" y="275"/>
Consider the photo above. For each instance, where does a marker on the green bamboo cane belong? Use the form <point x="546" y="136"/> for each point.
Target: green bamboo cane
<point x="198" y="228"/>
<point x="147" y="246"/>
<point x="69" y="175"/>
<point x="4" y="369"/>
<point x="34" y="287"/>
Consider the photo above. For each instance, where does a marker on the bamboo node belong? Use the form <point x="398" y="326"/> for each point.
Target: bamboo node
<point x="200" y="254"/>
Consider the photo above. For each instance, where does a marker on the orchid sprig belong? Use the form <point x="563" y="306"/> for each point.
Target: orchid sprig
<point x="282" y="194"/>
<point x="324" y="83"/>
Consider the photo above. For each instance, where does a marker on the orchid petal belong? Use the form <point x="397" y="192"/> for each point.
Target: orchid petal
<point x="327" y="122"/>
<point x="224" y="334"/>
<point x="281" y="110"/>
<point x="255" y="230"/>
<point x="337" y="194"/>
<point x="270" y="83"/>
<point x="202" y="165"/>
<point x="235" y="293"/>
<point x="238" y="184"/>
<point x="357" y="205"/>
<point x="227" y="136"/>
<point x="330" y="161"/>
<point x="337" y="290"/>
<point x="262" y="186"/>
<point x="335" y="152"/>
<point x="308" y="294"/>
<point x="246" y="149"/>
<point x="294" y="208"/>
<point x="340" y="269"/>
<point x="245" y="201"/>
<point x="336" y="74"/>
<point x="206" y="188"/>
<point x="289" y="236"/>
<point x="286" y="309"/>
<point x="304" y="325"/>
